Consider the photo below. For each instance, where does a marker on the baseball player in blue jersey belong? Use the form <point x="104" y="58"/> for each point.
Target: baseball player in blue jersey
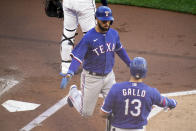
<point x="96" y="52"/>
<point x="76" y="12"/>
<point x="131" y="102"/>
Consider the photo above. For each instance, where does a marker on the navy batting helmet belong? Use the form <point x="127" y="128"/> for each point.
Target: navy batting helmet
<point x="104" y="13"/>
<point x="138" y="67"/>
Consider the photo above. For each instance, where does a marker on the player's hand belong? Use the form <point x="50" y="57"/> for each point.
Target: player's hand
<point x="66" y="78"/>
<point x="172" y="104"/>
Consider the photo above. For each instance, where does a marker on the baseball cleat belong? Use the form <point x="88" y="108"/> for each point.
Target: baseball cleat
<point x="69" y="98"/>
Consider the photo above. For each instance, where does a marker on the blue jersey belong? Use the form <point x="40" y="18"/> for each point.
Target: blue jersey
<point x="131" y="104"/>
<point x="96" y="50"/>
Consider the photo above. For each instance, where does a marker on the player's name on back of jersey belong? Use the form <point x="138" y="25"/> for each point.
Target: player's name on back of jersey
<point x="134" y="92"/>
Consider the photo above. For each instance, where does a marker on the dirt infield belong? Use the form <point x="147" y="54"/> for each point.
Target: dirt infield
<point x="29" y="53"/>
<point x="180" y="119"/>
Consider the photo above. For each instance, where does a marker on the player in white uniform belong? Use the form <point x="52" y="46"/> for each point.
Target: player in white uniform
<point x="76" y="12"/>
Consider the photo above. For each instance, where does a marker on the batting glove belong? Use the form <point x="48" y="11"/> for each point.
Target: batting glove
<point x="173" y="104"/>
<point x="66" y="78"/>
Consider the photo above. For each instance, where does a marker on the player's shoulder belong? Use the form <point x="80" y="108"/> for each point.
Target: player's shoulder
<point x="150" y="88"/>
<point x="119" y="85"/>
<point x="91" y="31"/>
<point x="88" y="35"/>
<point x="113" y="30"/>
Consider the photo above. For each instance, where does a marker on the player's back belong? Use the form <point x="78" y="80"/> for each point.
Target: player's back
<point x="132" y="104"/>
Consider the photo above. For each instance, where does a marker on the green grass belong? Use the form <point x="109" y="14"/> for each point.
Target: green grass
<point x="185" y="6"/>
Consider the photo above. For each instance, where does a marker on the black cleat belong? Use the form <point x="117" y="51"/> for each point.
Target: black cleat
<point x="69" y="102"/>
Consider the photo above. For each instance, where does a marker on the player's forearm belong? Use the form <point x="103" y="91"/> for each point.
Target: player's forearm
<point x="74" y="65"/>
<point x="104" y="2"/>
<point x="168" y="103"/>
<point x="124" y="56"/>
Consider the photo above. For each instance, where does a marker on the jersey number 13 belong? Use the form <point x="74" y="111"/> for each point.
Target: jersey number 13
<point x="137" y="107"/>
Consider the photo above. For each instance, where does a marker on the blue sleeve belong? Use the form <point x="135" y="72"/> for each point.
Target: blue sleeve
<point x="118" y="43"/>
<point x="109" y="101"/>
<point x="162" y="101"/>
<point x="156" y="97"/>
<point x="104" y="2"/>
<point x="80" y="50"/>
<point x="74" y="65"/>
<point x="124" y="56"/>
<point x="166" y="102"/>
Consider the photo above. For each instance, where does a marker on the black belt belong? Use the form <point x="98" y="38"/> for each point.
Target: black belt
<point x="96" y="74"/>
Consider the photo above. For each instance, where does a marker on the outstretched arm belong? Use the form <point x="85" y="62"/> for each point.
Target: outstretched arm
<point x="162" y="101"/>
<point x="124" y="56"/>
<point x="72" y="69"/>
<point x="74" y="65"/>
<point x="168" y="103"/>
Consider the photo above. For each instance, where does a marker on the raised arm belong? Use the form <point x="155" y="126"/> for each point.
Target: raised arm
<point x="124" y="56"/>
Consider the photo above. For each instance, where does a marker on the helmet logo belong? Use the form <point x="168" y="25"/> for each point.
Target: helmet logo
<point x="107" y="13"/>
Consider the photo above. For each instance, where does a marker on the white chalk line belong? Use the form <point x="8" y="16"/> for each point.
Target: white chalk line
<point x="45" y="115"/>
<point x="182" y="93"/>
<point x="6" y="84"/>
<point x="37" y="121"/>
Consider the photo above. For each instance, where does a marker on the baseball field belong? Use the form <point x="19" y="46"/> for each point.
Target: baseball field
<point x="30" y="59"/>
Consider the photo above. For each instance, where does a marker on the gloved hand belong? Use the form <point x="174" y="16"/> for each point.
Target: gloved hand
<point x="172" y="104"/>
<point x="66" y="78"/>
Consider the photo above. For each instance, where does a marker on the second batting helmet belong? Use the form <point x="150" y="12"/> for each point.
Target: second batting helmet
<point x="138" y="67"/>
<point x="104" y="13"/>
